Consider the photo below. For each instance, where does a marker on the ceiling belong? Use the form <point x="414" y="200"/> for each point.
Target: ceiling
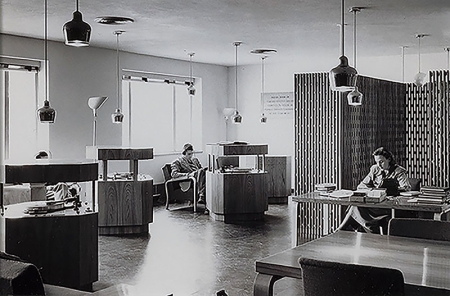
<point x="298" y="29"/>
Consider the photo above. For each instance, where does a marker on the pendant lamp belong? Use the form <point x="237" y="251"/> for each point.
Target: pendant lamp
<point x="419" y="78"/>
<point x="191" y="88"/>
<point x="46" y="113"/>
<point x="117" y="116"/>
<point x="76" y="32"/>
<point x="237" y="118"/>
<point x="343" y="77"/>
<point x="354" y="98"/>
<point x="263" y="118"/>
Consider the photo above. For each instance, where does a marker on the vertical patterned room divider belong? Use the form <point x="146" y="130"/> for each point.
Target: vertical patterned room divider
<point x="334" y="142"/>
<point x="428" y="133"/>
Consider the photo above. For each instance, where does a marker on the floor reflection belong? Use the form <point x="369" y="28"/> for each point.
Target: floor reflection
<point x="191" y="254"/>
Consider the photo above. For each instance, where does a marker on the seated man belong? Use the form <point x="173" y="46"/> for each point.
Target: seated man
<point x="370" y="219"/>
<point x="188" y="165"/>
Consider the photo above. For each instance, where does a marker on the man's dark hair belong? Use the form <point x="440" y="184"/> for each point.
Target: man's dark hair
<point x="187" y="147"/>
<point x="386" y="153"/>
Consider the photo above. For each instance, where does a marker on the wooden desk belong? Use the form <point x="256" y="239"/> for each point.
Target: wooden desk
<point x="425" y="264"/>
<point x="394" y="203"/>
<point x="62" y="244"/>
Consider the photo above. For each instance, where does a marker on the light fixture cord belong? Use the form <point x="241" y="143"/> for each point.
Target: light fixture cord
<point x="403" y="63"/>
<point x="342" y="28"/>
<point x="45" y="51"/>
<point x="419" y="51"/>
<point x="236" y="97"/>
<point x="354" y="37"/>
<point x="190" y="67"/>
<point x="262" y="83"/>
<point x="448" y="58"/>
<point x="118" y="71"/>
<point x="77" y="5"/>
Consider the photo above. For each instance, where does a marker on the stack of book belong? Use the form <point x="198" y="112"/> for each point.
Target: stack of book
<point x="432" y="194"/>
<point x="376" y="195"/>
<point x="325" y="188"/>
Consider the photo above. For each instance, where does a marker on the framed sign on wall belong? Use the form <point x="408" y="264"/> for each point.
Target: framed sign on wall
<point x="278" y="104"/>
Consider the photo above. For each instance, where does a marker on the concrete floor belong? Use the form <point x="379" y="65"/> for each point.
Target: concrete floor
<point x="191" y="254"/>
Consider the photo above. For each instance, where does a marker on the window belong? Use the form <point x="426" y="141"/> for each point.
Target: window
<point x="161" y="114"/>
<point x="23" y="136"/>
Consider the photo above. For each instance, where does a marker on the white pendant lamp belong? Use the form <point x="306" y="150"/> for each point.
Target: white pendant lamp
<point x="354" y="98"/>
<point x="343" y="77"/>
<point x="95" y="103"/>
<point x="191" y="88"/>
<point x="419" y="78"/>
<point x="77" y="32"/>
<point x="237" y="118"/>
<point x="117" y="116"/>
<point x="46" y="113"/>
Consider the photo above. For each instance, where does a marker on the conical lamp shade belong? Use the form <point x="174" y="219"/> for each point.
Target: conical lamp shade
<point x="77" y="32"/>
<point x="46" y="113"/>
<point x="354" y="98"/>
<point x="343" y="77"/>
<point x="96" y="102"/>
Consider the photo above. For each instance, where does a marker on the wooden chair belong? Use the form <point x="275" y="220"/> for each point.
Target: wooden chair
<point x="420" y="228"/>
<point x="173" y="188"/>
<point x="322" y="278"/>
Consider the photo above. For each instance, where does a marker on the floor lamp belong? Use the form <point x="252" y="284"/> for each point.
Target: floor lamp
<point x="95" y="103"/>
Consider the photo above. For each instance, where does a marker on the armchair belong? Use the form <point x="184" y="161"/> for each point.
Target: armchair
<point x="183" y="188"/>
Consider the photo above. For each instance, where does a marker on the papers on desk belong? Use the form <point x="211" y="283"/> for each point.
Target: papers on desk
<point x="343" y="193"/>
<point x="434" y="201"/>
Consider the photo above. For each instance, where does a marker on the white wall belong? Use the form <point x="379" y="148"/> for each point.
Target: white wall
<point x="79" y="73"/>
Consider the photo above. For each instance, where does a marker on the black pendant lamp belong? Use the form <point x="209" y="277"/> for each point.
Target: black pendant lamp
<point x="354" y="98"/>
<point x="117" y="116"/>
<point x="237" y="118"/>
<point x="46" y="113"/>
<point x="76" y="32"/>
<point x="343" y="77"/>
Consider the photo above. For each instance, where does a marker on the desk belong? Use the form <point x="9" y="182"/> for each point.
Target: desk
<point x="396" y="203"/>
<point x="425" y="264"/>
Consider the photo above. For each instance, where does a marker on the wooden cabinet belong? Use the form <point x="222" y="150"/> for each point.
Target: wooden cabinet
<point x="236" y="194"/>
<point x="125" y="201"/>
<point x="279" y="172"/>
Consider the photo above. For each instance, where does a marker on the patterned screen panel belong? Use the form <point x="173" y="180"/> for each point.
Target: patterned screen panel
<point x="379" y="121"/>
<point x="428" y="118"/>
<point x="316" y="129"/>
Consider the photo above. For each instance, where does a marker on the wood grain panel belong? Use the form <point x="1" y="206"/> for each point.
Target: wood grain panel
<point x="278" y="175"/>
<point x="245" y="193"/>
<point x="64" y="248"/>
<point x="250" y="149"/>
<point x="48" y="172"/>
<point x="125" y="203"/>
<point x="124" y="153"/>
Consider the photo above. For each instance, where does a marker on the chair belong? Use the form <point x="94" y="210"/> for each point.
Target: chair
<point x="173" y="189"/>
<point x="415" y="183"/>
<point x="420" y="228"/>
<point x="333" y="278"/>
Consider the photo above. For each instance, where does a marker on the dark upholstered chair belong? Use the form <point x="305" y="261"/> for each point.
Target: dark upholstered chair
<point x="322" y="278"/>
<point x="415" y="183"/>
<point x="420" y="228"/>
<point x="174" y="191"/>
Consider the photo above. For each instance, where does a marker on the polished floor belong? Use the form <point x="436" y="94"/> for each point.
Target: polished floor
<point x="191" y="254"/>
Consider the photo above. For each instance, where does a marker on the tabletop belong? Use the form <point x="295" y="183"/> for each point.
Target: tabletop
<point x="395" y="202"/>
<point x="422" y="262"/>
